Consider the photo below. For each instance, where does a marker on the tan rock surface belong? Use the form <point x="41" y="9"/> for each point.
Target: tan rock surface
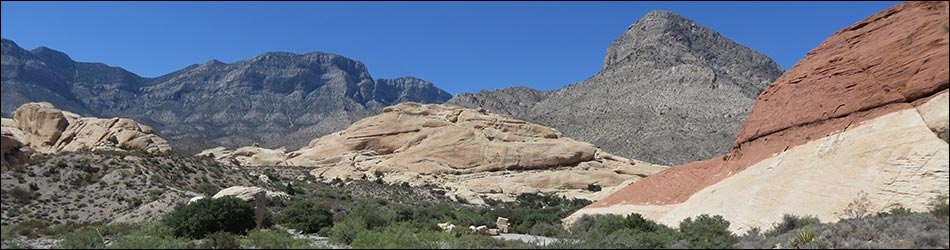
<point x="476" y="154"/>
<point x="249" y="156"/>
<point x="935" y="112"/>
<point x="11" y="143"/>
<point x="42" y="128"/>
<point x="247" y="193"/>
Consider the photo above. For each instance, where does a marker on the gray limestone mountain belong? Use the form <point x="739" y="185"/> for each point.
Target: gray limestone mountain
<point x="274" y="99"/>
<point x="670" y="91"/>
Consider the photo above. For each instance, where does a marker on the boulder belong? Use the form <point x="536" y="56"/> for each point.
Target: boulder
<point x="502" y="224"/>
<point x="247" y="193"/>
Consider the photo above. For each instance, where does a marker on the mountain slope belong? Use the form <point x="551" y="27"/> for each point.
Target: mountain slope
<point x="670" y="91"/>
<point x="272" y="99"/>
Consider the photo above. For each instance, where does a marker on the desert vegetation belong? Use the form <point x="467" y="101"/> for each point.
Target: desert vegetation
<point x="365" y="214"/>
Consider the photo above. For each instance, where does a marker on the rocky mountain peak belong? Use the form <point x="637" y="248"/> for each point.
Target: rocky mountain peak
<point x="7" y="43"/>
<point x="53" y="58"/>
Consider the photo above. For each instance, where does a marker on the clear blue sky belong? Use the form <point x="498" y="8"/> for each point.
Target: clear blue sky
<point x="460" y="46"/>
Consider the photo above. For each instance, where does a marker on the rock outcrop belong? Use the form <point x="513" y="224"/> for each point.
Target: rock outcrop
<point x="42" y="128"/>
<point x="471" y="152"/>
<point x="671" y="91"/>
<point x="12" y="149"/>
<point x="247" y="193"/>
<point x="862" y="119"/>
<point x="248" y="156"/>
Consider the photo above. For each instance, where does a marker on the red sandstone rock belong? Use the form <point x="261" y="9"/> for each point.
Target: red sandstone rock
<point x="897" y="55"/>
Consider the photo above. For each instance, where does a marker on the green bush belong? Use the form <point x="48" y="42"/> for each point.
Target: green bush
<point x="206" y="216"/>
<point x="221" y="240"/>
<point x="207" y="188"/>
<point x="151" y="236"/>
<point x="607" y="224"/>
<point x="307" y="216"/>
<point x="85" y="235"/>
<point x="20" y="195"/>
<point x="397" y="236"/>
<point x="84" y="238"/>
<point x="707" y="232"/>
<point x="615" y="231"/>
<point x="344" y="231"/>
<point x="939" y="206"/>
<point x="791" y="222"/>
<point x="273" y="239"/>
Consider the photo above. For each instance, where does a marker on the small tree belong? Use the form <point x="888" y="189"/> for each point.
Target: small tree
<point x="307" y="216"/>
<point x="207" y="216"/>
<point x="709" y="232"/>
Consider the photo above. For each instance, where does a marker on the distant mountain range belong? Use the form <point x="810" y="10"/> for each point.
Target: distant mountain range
<point x="274" y="99"/>
<point x="671" y="91"/>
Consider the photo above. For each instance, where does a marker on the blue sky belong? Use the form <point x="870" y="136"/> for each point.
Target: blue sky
<point x="459" y="46"/>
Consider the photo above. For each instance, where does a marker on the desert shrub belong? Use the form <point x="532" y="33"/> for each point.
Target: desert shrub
<point x="897" y="211"/>
<point x="307" y="216"/>
<point x="791" y="222"/>
<point x="220" y="240"/>
<point x="607" y="224"/>
<point x="6" y="233"/>
<point x="84" y="238"/>
<point x="345" y="230"/>
<point x="273" y="239"/>
<point x="20" y="195"/>
<point x="548" y="229"/>
<point x="30" y="228"/>
<point x="707" y="232"/>
<point x="467" y="240"/>
<point x="615" y="231"/>
<point x="151" y="236"/>
<point x="207" y="188"/>
<point x="859" y="207"/>
<point x="397" y="236"/>
<point x="206" y="216"/>
<point x="804" y="236"/>
<point x="939" y="206"/>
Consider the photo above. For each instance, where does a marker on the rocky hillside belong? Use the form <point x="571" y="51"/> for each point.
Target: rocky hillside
<point x="858" y="126"/>
<point x="108" y="186"/>
<point x="670" y="91"/>
<point x="473" y="153"/>
<point x="42" y="128"/>
<point x="272" y="99"/>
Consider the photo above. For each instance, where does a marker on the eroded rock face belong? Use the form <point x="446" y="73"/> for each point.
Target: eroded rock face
<point x="42" y="128"/>
<point x="11" y="143"/>
<point x="862" y="118"/>
<point x="470" y="151"/>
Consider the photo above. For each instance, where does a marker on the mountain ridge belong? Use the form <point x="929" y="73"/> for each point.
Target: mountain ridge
<point x="281" y="94"/>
